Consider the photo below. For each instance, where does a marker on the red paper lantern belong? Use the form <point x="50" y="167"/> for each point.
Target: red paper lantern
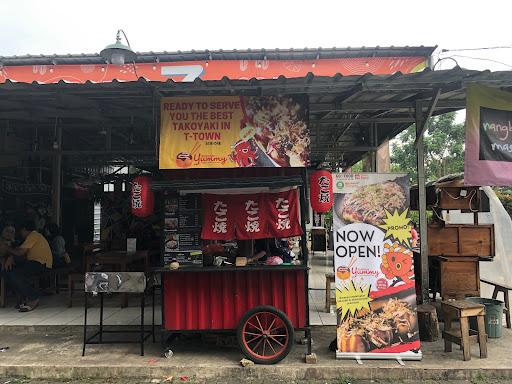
<point x="320" y="191"/>
<point x="142" y="197"/>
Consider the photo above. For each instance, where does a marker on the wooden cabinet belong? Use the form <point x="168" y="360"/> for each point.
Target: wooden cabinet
<point x="460" y="277"/>
<point x="461" y="240"/>
<point x="454" y="198"/>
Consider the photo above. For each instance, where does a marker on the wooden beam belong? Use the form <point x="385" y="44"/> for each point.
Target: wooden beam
<point x="364" y="120"/>
<point x="377" y="106"/>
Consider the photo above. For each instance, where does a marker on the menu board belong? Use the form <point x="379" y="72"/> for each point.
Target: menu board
<point x="182" y="228"/>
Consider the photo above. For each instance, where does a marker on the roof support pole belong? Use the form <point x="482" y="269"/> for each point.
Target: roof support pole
<point x="57" y="177"/>
<point x="420" y="154"/>
<point x="430" y="110"/>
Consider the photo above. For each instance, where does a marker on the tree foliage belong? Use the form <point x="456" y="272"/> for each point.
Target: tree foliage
<point x="444" y="149"/>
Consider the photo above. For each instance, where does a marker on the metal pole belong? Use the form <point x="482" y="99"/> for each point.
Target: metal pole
<point x="422" y="206"/>
<point x="57" y="178"/>
<point x="373" y="153"/>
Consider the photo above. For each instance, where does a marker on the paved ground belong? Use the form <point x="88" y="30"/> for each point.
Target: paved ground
<point x="56" y="354"/>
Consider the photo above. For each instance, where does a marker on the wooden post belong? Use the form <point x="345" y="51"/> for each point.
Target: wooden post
<point x="57" y="178"/>
<point x="428" y="323"/>
<point x="422" y="206"/>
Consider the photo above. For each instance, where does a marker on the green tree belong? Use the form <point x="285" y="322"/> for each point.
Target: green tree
<point x="444" y="149"/>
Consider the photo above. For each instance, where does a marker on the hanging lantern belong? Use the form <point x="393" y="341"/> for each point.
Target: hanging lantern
<point x="142" y="197"/>
<point x="320" y="191"/>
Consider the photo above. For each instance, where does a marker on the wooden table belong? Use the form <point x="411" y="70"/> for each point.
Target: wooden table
<point x="119" y="261"/>
<point x="462" y="310"/>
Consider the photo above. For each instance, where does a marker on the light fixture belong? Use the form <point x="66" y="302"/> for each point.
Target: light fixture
<point x="118" y="53"/>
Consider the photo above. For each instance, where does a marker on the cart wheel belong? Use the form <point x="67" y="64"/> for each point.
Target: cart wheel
<point x="265" y="335"/>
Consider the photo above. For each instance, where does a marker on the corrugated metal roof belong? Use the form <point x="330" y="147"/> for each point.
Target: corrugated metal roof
<point x="341" y="108"/>
<point x="234" y="54"/>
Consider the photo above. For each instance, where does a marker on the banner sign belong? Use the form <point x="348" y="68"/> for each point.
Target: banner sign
<point x="488" y="158"/>
<point x="15" y="188"/>
<point x="234" y="131"/>
<point x="251" y="216"/>
<point x="188" y="71"/>
<point x="374" y="269"/>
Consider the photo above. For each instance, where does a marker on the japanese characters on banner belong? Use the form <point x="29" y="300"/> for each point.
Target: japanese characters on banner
<point x="142" y="197"/>
<point x="374" y="270"/>
<point x="251" y="216"/>
<point x="488" y="155"/>
<point x="320" y="189"/>
<point x="233" y="132"/>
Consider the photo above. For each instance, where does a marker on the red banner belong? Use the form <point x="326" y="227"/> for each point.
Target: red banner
<point x="284" y="215"/>
<point x="218" y="218"/>
<point x="251" y="219"/>
<point x="251" y="216"/>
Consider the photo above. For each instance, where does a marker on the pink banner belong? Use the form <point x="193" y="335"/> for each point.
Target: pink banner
<point x="488" y="159"/>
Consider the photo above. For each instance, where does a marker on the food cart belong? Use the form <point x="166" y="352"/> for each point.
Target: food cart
<point x="234" y="174"/>
<point x="265" y="304"/>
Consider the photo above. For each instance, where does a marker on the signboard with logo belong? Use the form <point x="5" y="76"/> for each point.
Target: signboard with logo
<point x="488" y="156"/>
<point x="210" y="70"/>
<point x="374" y="269"/>
<point x="234" y="131"/>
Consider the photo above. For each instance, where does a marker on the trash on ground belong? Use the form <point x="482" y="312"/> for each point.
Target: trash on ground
<point x="246" y="362"/>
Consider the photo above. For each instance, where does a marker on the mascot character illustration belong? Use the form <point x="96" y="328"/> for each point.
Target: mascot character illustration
<point x="244" y="153"/>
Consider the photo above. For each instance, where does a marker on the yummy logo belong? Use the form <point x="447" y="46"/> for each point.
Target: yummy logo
<point x="184" y="160"/>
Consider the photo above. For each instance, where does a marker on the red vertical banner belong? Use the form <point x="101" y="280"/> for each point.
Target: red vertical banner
<point x="251" y="217"/>
<point x="218" y="222"/>
<point x="284" y="216"/>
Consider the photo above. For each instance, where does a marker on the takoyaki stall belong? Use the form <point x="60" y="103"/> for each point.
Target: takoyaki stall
<point x="226" y="142"/>
<point x="234" y="258"/>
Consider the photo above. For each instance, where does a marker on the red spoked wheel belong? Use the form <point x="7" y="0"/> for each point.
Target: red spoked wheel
<point x="265" y="335"/>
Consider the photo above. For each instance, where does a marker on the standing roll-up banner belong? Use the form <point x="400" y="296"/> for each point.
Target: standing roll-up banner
<point x="373" y="260"/>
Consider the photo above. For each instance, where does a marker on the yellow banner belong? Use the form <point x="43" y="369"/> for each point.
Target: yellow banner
<point x="233" y="131"/>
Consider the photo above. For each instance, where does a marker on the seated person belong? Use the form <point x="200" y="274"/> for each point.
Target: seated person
<point x="58" y="246"/>
<point x="30" y="259"/>
<point x="7" y="238"/>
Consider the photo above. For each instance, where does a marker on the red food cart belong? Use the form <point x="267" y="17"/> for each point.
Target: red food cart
<point x="264" y="304"/>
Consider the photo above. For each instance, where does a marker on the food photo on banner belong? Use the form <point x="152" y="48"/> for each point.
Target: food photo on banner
<point x="374" y="271"/>
<point x="488" y="155"/>
<point x="234" y="132"/>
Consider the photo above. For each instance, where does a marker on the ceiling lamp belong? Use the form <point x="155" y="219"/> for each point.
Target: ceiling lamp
<point x="118" y="53"/>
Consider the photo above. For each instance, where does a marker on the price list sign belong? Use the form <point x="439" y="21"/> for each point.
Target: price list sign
<point x="182" y="228"/>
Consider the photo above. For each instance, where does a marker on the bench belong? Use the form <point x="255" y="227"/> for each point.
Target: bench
<point x="503" y="289"/>
<point x="329" y="300"/>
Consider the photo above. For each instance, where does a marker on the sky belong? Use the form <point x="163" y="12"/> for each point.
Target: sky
<point x="58" y="26"/>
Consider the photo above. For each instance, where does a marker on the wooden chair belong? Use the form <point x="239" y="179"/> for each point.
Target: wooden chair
<point x="77" y="276"/>
<point x="462" y="310"/>
<point x="329" y="279"/>
<point x="503" y="289"/>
